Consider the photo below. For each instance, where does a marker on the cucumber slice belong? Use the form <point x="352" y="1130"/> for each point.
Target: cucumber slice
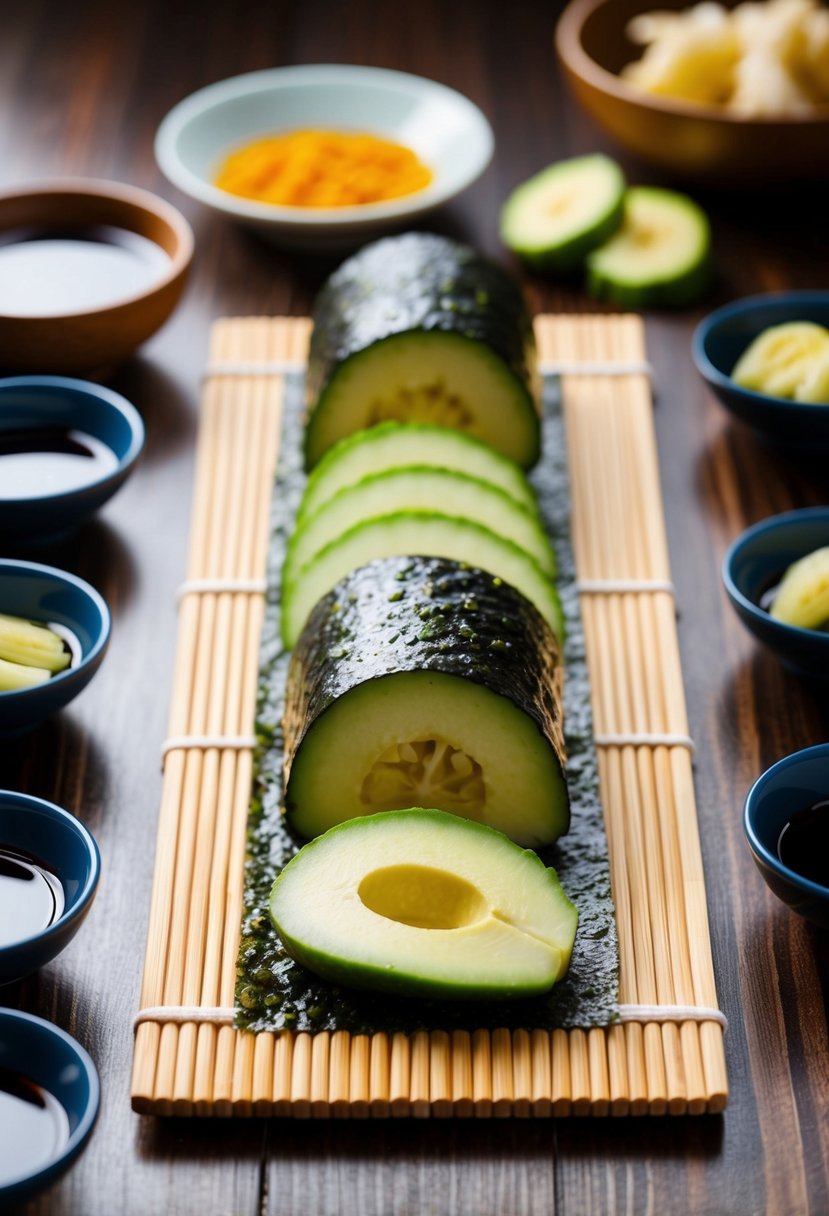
<point x="785" y="361"/>
<point x="392" y="445"/>
<point x="423" y="680"/>
<point x="421" y="903"/>
<point x="802" y="598"/>
<point x="418" y="488"/>
<point x="553" y="220"/>
<point x="659" y="257"/>
<point x="416" y="532"/>
<point x="417" y="328"/>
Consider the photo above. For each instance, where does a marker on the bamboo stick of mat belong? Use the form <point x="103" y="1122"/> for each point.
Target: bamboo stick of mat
<point x="198" y="1068"/>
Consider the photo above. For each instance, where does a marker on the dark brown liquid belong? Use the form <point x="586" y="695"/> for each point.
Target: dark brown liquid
<point x="50" y="460"/>
<point x="47" y="273"/>
<point x="803" y="845"/>
<point x="31" y="897"/>
<point x="33" y="1126"/>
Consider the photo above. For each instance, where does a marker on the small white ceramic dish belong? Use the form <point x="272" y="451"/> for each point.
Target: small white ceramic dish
<point x="444" y="128"/>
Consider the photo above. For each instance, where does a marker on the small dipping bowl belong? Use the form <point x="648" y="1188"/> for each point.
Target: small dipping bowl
<point x="798" y="428"/>
<point x="49" y="404"/>
<point x="52" y="1060"/>
<point x="148" y="248"/>
<point x="793" y="783"/>
<point x="41" y="593"/>
<point x="755" y="562"/>
<point x="444" y="128"/>
<point x="61" y="844"/>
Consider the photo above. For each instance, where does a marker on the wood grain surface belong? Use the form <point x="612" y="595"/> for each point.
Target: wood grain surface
<point x="82" y="89"/>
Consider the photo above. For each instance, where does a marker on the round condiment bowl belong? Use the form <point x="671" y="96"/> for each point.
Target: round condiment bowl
<point x="792" y="784"/>
<point x="49" y="403"/>
<point x="692" y="142"/>
<point x="795" y="427"/>
<point x="59" y="842"/>
<point x="449" y="134"/>
<point x="36" y="592"/>
<point x="755" y="562"/>
<point x="53" y="1060"/>
<point x="93" y="340"/>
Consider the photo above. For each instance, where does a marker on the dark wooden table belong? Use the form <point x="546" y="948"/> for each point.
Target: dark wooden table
<point x="82" y="88"/>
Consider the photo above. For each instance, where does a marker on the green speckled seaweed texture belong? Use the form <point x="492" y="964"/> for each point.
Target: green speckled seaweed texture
<point x="274" y="992"/>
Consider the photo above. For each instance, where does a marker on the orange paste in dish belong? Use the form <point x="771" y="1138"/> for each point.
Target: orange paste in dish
<point x="322" y="169"/>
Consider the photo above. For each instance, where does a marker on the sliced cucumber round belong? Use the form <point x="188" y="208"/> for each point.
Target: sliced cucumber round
<point x="418" y="488"/>
<point x="553" y="220"/>
<point x="659" y="257"/>
<point x="421" y="903"/>
<point x="429" y="533"/>
<point x="424" y="680"/>
<point x="392" y="445"/>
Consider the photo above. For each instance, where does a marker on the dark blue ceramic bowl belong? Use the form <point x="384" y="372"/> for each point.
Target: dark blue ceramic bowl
<point x="53" y="1060"/>
<point x="41" y="593"/>
<point x="755" y="563"/>
<point x="45" y="402"/>
<point x="59" y="842"/>
<point x="790" y="785"/>
<point x="719" y="340"/>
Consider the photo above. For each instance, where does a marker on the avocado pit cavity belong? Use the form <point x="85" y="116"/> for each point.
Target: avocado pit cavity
<point x="422" y="897"/>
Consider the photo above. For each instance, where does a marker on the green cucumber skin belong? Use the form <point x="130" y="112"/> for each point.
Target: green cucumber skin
<point x="680" y="293"/>
<point x="418" y="281"/>
<point x="543" y="551"/>
<point x="405" y="614"/>
<point x="513" y="482"/>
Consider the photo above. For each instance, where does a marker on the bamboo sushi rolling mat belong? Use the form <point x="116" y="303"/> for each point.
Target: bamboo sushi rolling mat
<point x="668" y="1057"/>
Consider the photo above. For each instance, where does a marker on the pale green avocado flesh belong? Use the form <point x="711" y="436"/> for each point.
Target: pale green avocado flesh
<point x="428" y="533"/>
<point x="420" y="902"/>
<point x="418" y="488"/>
<point x="425" y="736"/>
<point x="394" y="445"/>
<point x="433" y="377"/>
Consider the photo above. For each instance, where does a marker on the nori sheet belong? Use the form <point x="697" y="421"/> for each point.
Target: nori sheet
<point x="273" y="992"/>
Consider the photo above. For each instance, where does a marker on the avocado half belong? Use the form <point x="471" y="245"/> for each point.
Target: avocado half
<point x="423" y="903"/>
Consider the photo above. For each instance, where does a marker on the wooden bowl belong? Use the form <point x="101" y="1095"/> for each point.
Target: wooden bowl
<point x="689" y="141"/>
<point x="93" y="339"/>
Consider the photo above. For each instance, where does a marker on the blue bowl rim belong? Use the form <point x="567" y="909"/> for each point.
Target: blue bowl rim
<point x="746" y="304"/>
<point x="13" y="564"/>
<point x="86" y="388"/>
<point x="90" y="1113"/>
<point x="756" y="844"/>
<point x="772" y="524"/>
<point x="85" y="895"/>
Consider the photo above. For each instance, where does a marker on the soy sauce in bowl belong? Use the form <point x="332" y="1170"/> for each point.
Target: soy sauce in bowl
<point x="51" y="272"/>
<point x="31" y="897"/>
<point x="803" y="843"/>
<point x="34" y="1127"/>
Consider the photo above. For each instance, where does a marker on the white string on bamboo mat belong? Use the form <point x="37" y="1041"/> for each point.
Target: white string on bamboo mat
<point x="183" y="742"/>
<point x="672" y="1013"/>
<point x="596" y="367"/>
<point x="204" y="586"/>
<point x="249" y="367"/>
<point x="621" y="586"/>
<point x="218" y="1015"/>
<point x="644" y="739"/>
<point x="224" y="1015"/>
